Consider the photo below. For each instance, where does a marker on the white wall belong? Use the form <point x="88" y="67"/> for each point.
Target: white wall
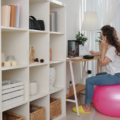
<point x="72" y="18"/>
<point x="73" y="27"/>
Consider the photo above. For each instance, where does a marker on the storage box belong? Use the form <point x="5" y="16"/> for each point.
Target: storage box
<point x="55" y="108"/>
<point x="12" y="101"/>
<point x="12" y="89"/>
<point x="37" y="112"/>
<point x="10" y="84"/>
<point x="12" y="95"/>
<point x="12" y="116"/>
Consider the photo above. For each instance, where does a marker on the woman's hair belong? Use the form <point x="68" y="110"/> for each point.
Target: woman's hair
<point x="112" y="37"/>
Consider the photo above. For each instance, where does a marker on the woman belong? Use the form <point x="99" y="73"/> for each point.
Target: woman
<point x="110" y="59"/>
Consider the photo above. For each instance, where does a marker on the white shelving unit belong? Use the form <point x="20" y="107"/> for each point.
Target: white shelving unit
<point x="16" y="41"/>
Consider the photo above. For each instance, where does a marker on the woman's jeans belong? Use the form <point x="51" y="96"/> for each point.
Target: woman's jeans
<point x="100" y="80"/>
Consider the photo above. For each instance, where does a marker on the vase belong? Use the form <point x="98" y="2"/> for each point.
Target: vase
<point x="33" y="88"/>
<point x="50" y="54"/>
<point x="31" y="54"/>
<point x="2" y="58"/>
<point x="52" y="77"/>
<point x="10" y="58"/>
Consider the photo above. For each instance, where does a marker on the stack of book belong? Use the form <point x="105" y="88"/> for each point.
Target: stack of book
<point x="10" y="15"/>
<point x="53" y="21"/>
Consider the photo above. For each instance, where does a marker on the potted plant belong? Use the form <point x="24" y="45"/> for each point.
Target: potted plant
<point x="81" y="38"/>
<point x="99" y="39"/>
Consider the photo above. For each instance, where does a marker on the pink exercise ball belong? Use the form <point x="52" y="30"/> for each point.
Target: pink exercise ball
<point x="106" y="100"/>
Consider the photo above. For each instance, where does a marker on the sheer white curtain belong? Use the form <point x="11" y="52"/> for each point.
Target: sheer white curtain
<point x="107" y="10"/>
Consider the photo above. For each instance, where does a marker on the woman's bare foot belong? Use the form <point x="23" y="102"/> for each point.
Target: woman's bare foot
<point x="86" y="108"/>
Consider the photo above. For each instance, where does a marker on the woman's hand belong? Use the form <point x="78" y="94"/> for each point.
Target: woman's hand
<point x="92" y="52"/>
<point x="95" y="53"/>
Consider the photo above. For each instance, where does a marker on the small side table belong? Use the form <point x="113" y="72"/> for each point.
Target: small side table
<point x="99" y="68"/>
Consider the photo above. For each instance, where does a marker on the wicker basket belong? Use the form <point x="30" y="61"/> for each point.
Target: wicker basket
<point x="55" y="108"/>
<point x="12" y="116"/>
<point x="37" y="112"/>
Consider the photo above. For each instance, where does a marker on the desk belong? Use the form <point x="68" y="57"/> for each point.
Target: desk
<point x="83" y="71"/>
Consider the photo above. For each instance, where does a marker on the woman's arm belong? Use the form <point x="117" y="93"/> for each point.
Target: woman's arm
<point x="95" y="53"/>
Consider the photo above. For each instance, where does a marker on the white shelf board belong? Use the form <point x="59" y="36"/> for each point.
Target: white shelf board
<point x="38" y="31"/>
<point x="55" y="62"/>
<point x="53" y="3"/>
<point x="57" y="89"/>
<point x="56" y="33"/>
<point x="14" y="105"/>
<point x="39" y="95"/>
<point x="56" y="3"/>
<point x="11" y="29"/>
<point x="37" y="64"/>
<point x="17" y="67"/>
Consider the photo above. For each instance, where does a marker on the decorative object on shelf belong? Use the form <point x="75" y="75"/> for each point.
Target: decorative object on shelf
<point x="33" y="88"/>
<point x="36" y="24"/>
<point x="81" y="38"/>
<point x="53" y="21"/>
<point x="2" y="58"/>
<point x="55" y="111"/>
<point x="42" y="25"/>
<point x="10" y="61"/>
<point x="42" y="60"/>
<point x="12" y="116"/>
<point x="52" y="77"/>
<point x="14" y="63"/>
<point x="32" y="54"/>
<point x="12" y="92"/>
<point x="37" y="112"/>
<point x="36" y="60"/>
<point x="50" y="54"/>
<point x="7" y="64"/>
<point x="10" y="58"/>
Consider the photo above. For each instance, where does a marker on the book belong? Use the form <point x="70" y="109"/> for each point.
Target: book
<point x="52" y="24"/>
<point x="16" y="18"/>
<point x="13" y="16"/>
<point x="53" y="21"/>
<point x="17" y="14"/>
<point x="5" y="15"/>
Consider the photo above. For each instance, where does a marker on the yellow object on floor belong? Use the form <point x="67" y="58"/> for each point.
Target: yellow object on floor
<point x="81" y="110"/>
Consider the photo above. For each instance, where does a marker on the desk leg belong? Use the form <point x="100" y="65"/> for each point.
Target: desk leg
<point x="73" y="81"/>
<point x="98" y="66"/>
<point x="83" y="72"/>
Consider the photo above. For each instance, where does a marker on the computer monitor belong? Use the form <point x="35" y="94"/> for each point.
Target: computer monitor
<point x="73" y="48"/>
